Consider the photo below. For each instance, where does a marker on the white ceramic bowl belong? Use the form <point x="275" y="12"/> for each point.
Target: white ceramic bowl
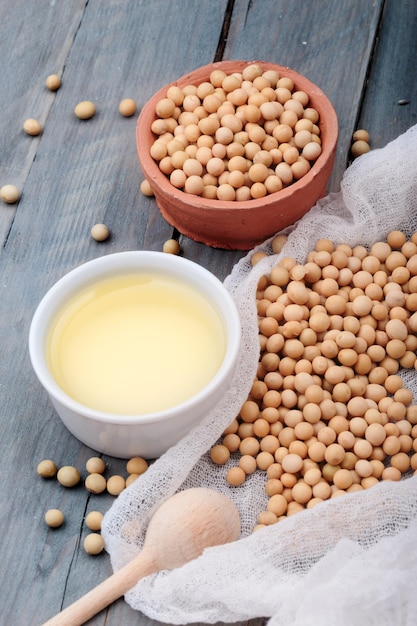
<point x="147" y="435"/>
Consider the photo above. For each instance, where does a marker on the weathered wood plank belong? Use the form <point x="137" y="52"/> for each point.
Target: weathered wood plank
<point x="330" y="46"/>
<point x="35" y="38"/>
<point x="78" y="173"/>
<point x="83" y="172"/>
<point x="390" y="101"/>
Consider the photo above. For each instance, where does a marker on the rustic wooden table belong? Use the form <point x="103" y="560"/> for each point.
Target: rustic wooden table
<point x="362" y="53"/>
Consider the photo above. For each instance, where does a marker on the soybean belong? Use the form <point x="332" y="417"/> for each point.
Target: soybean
<point x="68" y="476"/>
<point x="54" y="518"/>
<point x="116" y="484"/>
<point x="10" y="194"/>
<point x="171" y="246"/>
<point x="32" y="127"/>
<point x="146" y="189"/>
<point x="53" y="82"/>
<point x="100" y="232"/>
<point x="127" y="107"/>
<point x="47" y="468"/>
<point x="93" y="520"/>
<point x="85" y="110"/>
<point x="136" y="465"/>
<point x="95" y="483"/>
<point x="93" y="543"/>
<point x="95" y="465"/>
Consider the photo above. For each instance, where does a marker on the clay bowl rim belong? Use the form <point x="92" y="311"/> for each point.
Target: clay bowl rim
<point x="328" y="124"/>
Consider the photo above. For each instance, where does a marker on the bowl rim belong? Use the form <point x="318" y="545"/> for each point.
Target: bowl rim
<point x="113" y="263"/>
<point x="160" y="183"/>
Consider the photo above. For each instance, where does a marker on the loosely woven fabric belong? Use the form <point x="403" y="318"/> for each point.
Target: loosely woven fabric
<point x="350" y="560"/>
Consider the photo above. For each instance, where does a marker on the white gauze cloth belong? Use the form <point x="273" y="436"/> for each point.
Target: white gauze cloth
<point x="350" y="560"/>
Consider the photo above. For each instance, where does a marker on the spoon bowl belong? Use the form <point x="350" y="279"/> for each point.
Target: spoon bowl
<point x="180" y="530"/>
<point x="197" y="518"/>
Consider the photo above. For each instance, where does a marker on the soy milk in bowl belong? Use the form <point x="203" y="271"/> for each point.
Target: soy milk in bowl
<point x="135" y="344"/>
<point x="134" y="348"/>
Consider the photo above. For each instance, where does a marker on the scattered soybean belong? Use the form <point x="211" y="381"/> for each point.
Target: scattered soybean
<point x="32" y="127"/>
<point x="85" y="110"/>
<point x="68" y="476"/>
<point x="95" y="483"/>
<point x="171" y="246"/>
<point x="10" y="194"/>
<point x="100" y="232"/>
<point x="53" y="82"/>
<point x="127" y="107"/>
<point x="47" y="469"/>
<point x="93" y="520"/>
<point x="95" y="465"/>
<point x="54" y="518"/>
<point x="146" y="189"/>
<point x="93" y="543"/>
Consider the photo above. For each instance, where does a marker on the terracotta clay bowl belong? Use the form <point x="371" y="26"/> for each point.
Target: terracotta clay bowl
<point x="232" y="224"/>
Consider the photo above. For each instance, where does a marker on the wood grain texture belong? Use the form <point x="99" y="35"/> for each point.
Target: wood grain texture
<point x="35" y="39"/>
<point x="79" y="173"/>
<point x="330" y="47"/>
<point x="390" y="101"/>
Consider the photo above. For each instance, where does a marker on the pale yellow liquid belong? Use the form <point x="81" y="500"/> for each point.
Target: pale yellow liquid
<point x="136" y="344"/>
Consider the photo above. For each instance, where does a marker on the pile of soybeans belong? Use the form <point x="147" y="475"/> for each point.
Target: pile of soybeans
<point x="237" y="136"/>
<point x="328" y="413"/>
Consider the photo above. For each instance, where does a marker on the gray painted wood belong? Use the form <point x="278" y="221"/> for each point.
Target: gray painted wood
<point x="390" y="100"/>
<point x="78" y="173"/>
<point x="330" y="43"/>
<point x="35" y="39"/>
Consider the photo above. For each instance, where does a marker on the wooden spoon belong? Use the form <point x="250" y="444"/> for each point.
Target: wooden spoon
<point x="181" y="528"/>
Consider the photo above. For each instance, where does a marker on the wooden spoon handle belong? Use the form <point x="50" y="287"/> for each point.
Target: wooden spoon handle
<point x="106" y="592"/>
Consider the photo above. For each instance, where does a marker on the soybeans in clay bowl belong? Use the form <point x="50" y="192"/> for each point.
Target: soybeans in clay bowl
<point x="236" y="151"/>
<point x="134" y="349"/>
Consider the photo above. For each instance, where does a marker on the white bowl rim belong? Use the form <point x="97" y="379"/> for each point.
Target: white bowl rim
<point x="112" y="262"/>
